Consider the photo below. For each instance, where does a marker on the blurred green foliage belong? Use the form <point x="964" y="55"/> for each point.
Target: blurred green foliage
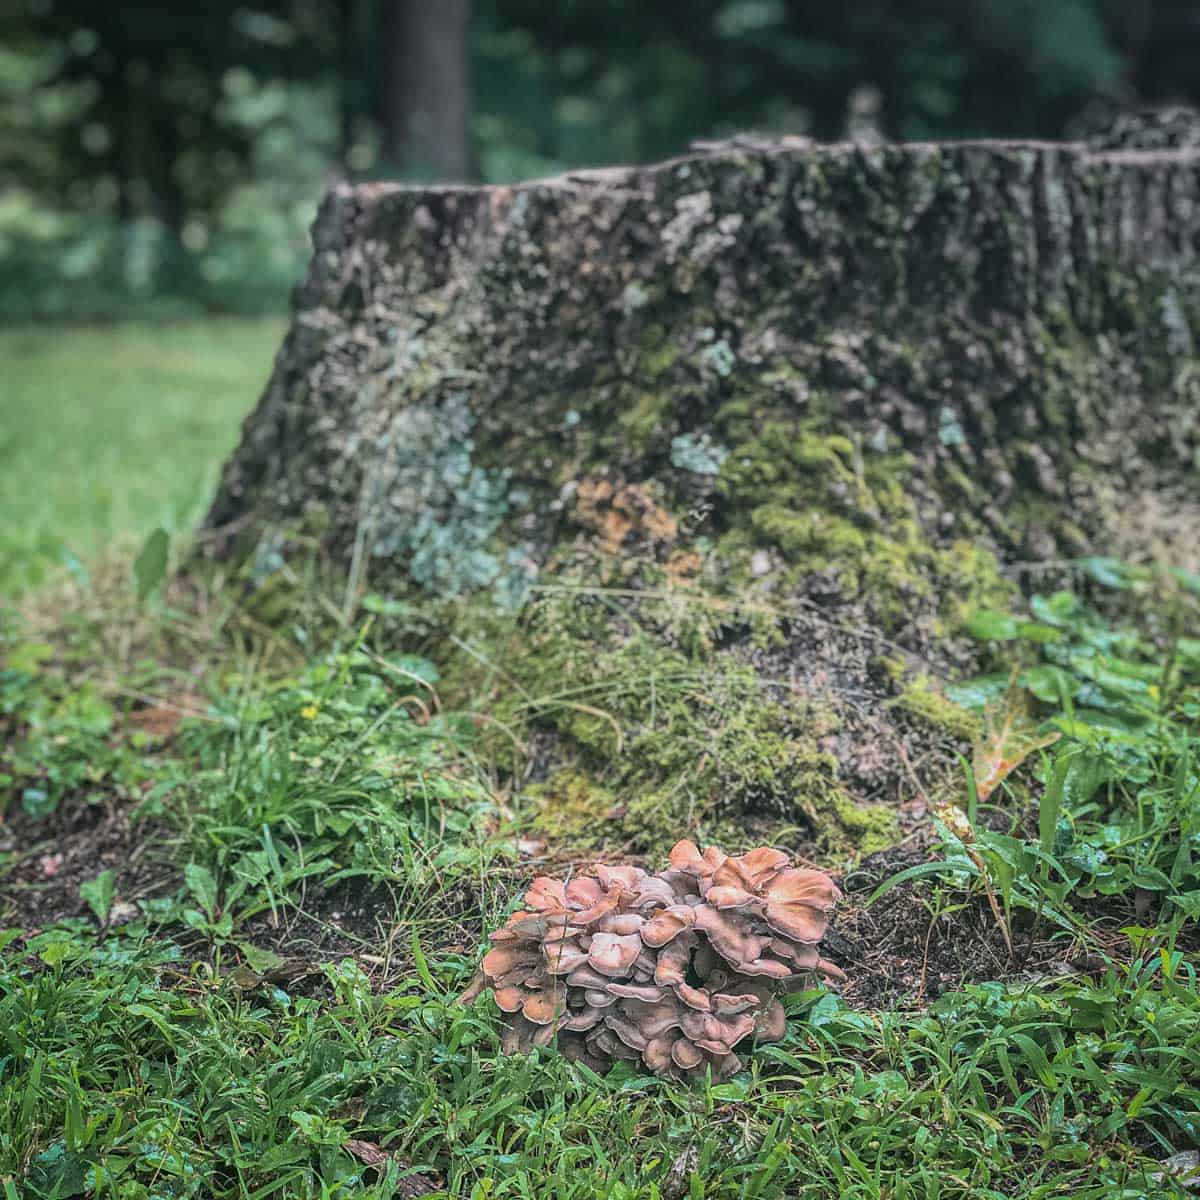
<point x="158" y="157"/>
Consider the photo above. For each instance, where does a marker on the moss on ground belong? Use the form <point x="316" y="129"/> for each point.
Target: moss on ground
<point x="639" y="733"/>
<point x="923" y="700"/>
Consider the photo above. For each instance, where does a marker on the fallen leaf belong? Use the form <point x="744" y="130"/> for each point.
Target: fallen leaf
<point x="160" y="722"/>
<point x="50" y="864"/>
<point x="1010" y="736"/>
<point x="122" y="912"/>
<point x="410" y="1186"/>
<point x="366" y="1152"/>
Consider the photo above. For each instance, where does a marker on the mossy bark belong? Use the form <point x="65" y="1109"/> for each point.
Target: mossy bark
<point x="782" y="411"/>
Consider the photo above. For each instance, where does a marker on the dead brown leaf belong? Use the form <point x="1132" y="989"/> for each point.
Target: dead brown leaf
<point x="1010" y="736"/>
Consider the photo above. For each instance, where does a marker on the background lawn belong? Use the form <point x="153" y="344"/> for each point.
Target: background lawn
<point x="108" y="432"/>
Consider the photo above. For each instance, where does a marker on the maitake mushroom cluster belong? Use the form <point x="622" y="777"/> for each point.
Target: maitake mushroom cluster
<point x="675" y="968"/>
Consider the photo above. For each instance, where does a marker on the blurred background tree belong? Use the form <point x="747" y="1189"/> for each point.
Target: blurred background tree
<point x="168" y="158"/>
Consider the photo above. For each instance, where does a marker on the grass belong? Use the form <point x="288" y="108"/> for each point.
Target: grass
<point x="245" y="867"/>
<point x="250" y="993"/>
<point x="106" y="433"/>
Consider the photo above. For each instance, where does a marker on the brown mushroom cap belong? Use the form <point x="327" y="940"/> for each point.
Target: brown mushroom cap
<point x="657" y="1054"/>
<point x="510" y="999"/>
<point x="620" y="923"/>
<point x="602" y="907"/>
<point x="716" y="1034"/>
<point x="614" y="954"/>
<point x="560" y="933"/>
<point x="501" y="960"/>
<point x="626" y="1030"/>
<point x="762" y="862"/>
<point x="727" y="1004"/>
<point x="685" y="1054"/>
<point x="732" y="939"/>
<point x="583" y="891"/>
<point x="673" y="969"/>
<point x="829" y="970"/>
<point x="667" y="924"/>
<point x="758" y="988"/>
<point x="725" y="896"/>
<point x="603" y="1040"/>
<point x="803" y="886"/>
<point x="517" y="976"/>
<point x="646" y="993"/>
<point x="673" y="961"/>
<point x="564" y="958"/>
<point x="583" y="1019"/>
<point x="654" y="892"/>
<point x="684" y="886"/>
<point x="797" y="922"/>
<point x="750" y="872"/>
<point x="654" y="1020"/>
<point x="535" y="926"/>
<point x="694" y="997"/>
<point x="623" y="878"/>
<point x="542" y="1007"/>
<point x="584" y="977"/>
<point x="546" y="894"/>
<point x="685" y="857"/>
<point x="798" y="903"/>
<point x="772" y="967"/>
<point x="644" y="965"/>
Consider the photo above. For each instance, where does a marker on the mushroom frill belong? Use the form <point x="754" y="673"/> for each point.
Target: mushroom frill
<point x="675" y="968"/>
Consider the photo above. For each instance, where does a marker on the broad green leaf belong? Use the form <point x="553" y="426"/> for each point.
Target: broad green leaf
<point x="1051" y="803"/>
<point x="1059" y="609"/>
<point x="1110" y="572"/>
<point x="413" y="664"/>
<point x="992" y="626"/>
<point x="150" y="566"/>
<point x="55" y="952"/>
<point x="203" y="887"/>
<point x="99" y="893"/>
<point x="1050" y="684"/>
<point x="920" y="871"/>
<point x="1188" y="579"/>
<point x="979" y="692"/>
<point x="259" y="958"/>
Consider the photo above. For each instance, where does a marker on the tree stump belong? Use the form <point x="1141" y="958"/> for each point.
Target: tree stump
<point x="708" y="461"/>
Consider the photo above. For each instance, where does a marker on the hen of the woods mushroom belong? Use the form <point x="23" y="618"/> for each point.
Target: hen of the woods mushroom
<point x="675" y="968"/>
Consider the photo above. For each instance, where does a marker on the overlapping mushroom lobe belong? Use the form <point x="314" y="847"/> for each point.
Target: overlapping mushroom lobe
<point x="674" y="969"/>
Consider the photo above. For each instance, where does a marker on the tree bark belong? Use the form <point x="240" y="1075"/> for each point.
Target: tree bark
<point x="854" y="391"/>
<point x="427" y="92"/>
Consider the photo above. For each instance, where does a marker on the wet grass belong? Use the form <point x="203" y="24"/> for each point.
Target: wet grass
<point x="244" y="874"/>
<point x="108" y="432"/>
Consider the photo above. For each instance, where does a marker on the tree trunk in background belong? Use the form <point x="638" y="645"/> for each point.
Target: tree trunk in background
<point x="346" y="45"/>
<point x="426" y="85"/>
<point x="769" y="419"/>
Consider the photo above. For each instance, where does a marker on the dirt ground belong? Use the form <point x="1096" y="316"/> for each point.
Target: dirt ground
<point x="899" y="953"/>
